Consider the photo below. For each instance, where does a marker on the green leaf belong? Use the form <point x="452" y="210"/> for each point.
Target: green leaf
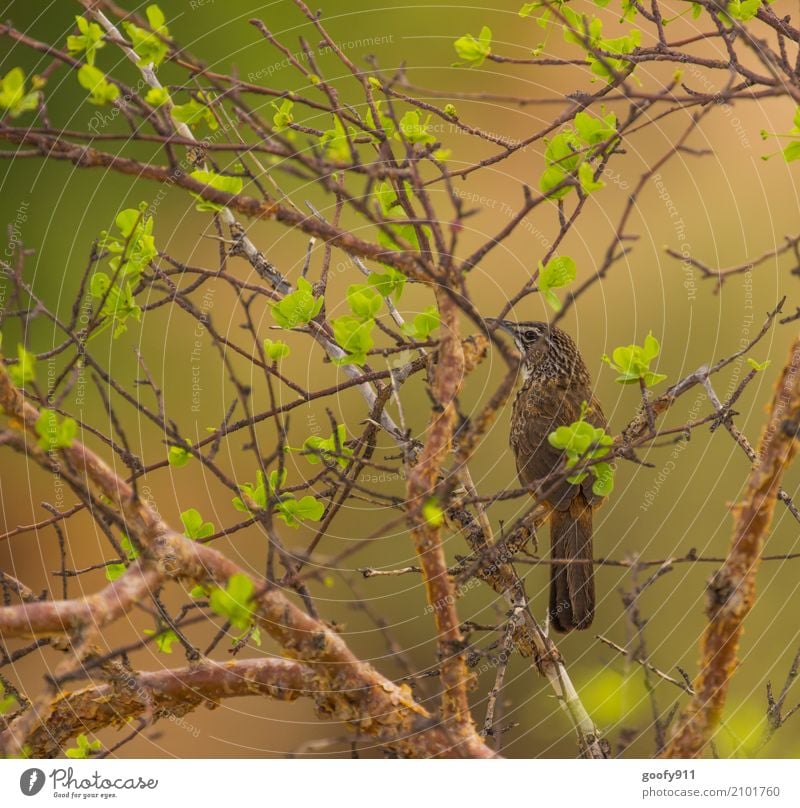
<point x="297" y="308"/>
<point x="432" y="513"/>
<point x="195" y="527"/>
<point x="158" y="96"/>
<point x="389" y="283"/>
<point x="88" y="42"/>
<point x="335" y="142"/>
<point x="84" y="748"/>
<point x="164" y="639"/>
<point x="230" y="185"/>
<point x="471" y="51"/>
<point x="6" y="702"/>
<point x="587" y="180"/>
<point x="331" y="450"/>
<point x="55" y="433"/>
<point x="632" y="362"/>
<point x="423" y="325"/>
<point x="283" y="116"/>
<point x="178" y="456"/>
<point x="133" y="250"/>
<point x="792" y="151"/>
<point x="559" y="271"/>
<point x="114" y="571"/>
<point x="25" y="369"/>
<point x="101" y="92"/>
<point x="354" y="336"/>
<point x="193" y="113"/>
<point x="149" y="47"/>
<point x="758" y="366"/>
<point x="364" y="300"/>
<point x="13" y="97"/>
<point x="235" y="603"/>
<point x="450" y="111"/>
<point x="198" y="592"/>
<point x="580" y="441"/>
<point x="294" y="511"/>
<point x="276" y="349"/>
<point x="414" y="129"/>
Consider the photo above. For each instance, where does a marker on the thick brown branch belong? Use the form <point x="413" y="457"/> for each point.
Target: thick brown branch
<point x="732" y="590"/>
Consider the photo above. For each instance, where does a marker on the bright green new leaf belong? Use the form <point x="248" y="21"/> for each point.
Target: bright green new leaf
<point x="423" y="324"/>
<point x="13" y="97"/>
<point x="25" y="369"/>
<point x="88" y="42"/>
<point x="559" y="271"/>
<point x="178" y="456"/>
<point x="297" y="308"/>
<point x="101" y="92"/>
<point x="283" y="116"/>
<point x="580" y="441"/>
<point x="195" y="527"/>
<point x="6" y="702"/>
<point x="364" y="300"/>
<point x="294" y="511"/>
<point x="758" y="366"/>
<point x="118" y="303"/>
<point x="432" y="513"/>
<point x="632" y="362"/>
<point x="235" y="603"/>
<point x="414" y="129"/>
<point x="158" y="96"/>
<point x="276" y="349"/>
<point x="195" y="112"/>
<point x="84" y="749"/>
<point x="55" y="433"/>
<point x="230" y="185"/>
<point x="388" y="283"/>
<point x="149" y="46"/>
<point x="164" y="639"/>
<point x="354" y="336"/>
<point x="335" y="142"/>
<point x="331" y="450"/>
<point x="587" y="180"/>
<point x="114" y="571"/>
<point x="472" y="51"/>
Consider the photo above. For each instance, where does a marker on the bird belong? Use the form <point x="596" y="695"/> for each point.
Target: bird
<point x="555" y="385"/>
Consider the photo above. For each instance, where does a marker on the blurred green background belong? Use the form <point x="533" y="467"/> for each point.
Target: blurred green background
<point x="724" y="208"/>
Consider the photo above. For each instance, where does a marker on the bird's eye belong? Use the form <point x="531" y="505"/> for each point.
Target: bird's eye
<point x="529" y="336"/>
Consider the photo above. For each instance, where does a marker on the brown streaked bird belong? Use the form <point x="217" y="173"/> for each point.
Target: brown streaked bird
<point x="555" y="384"/>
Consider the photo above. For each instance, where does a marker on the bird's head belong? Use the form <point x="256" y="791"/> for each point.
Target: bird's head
<point x="545" y="349"/>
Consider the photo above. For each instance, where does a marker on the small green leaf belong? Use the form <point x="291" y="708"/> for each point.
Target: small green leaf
<point x="423" y="325"/>
<point x="472" y="51"/>
<point x="559" y="271"/>
<point x="275" y="349"/>
<point x="283" y="116"/>
<point x="84" y="749"/>
<point x="164" y="639"/>
<point x="178" y="456"/>
<point x="13" y="97"/>
<point x="364" y="300"/>
<point x="88" y="42"/>
<point x="101" y="92"/>
<point x="632" y="362"/>
<point x="389" y="283"/>
<point x="331" y="450"/>
<point x="432" y="513"/>
<point x="230" y="185"/>
<point x="354" y="336"/>
<point x="158" y="96"/>
<point x="235" y="603"/>
<point x="114" y="571"/>
<point x="297" y="308"/>
<point x="55" y="433"/>
<point x="587" y="180"/>
<point x="6" y="702"/>
<point x="195" y="527"/>
<point x="758" y="366"/>
<point x="414" y="129"/>
<point x="149" y="45"/>
<point x="25" y="369"/>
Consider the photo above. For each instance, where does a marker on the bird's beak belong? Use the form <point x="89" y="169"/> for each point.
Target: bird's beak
<point x="502" y="325"/>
